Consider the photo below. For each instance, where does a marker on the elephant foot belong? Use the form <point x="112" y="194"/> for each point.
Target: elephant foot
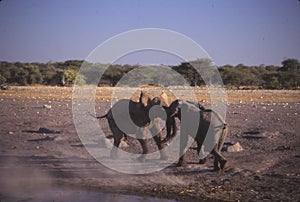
<point x="216" y="168"/>
<point x="224" y="165"/>
<point x="181" y="164"/>
<point x="202" y="161"/>
<point x="165" y="140"/>
<point x="113" y="155"/>
<point x="163" y="155"/>
<point x="142" y="158"/>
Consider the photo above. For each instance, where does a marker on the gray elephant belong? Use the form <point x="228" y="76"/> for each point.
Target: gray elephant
<point x="188" y="112"/>
<point x="173" y="108"/>
<point x="130" y="117"/>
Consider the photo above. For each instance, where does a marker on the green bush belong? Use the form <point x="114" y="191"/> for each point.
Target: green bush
<point x="286" y="76"/>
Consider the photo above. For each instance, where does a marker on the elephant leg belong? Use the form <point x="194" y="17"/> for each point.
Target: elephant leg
<point x="114" y="151"/>
<point x="203" y="161"/>
<point x="174" y="127"/>
<point x="216" y="164"/>
<point x="118" y="134"/>
<point x="222" y="138"/>
<point x="155" y="129"/>
<point x="219" y="161"/>
<point x="141" y="135"/>
<point x="183" y="143"/>
<point x="142" y="157"/>
<point x="216" y="155"/>
<point x="200" y="148"/>
<point x="171" y="129"/>
<point x="163" y="155"/>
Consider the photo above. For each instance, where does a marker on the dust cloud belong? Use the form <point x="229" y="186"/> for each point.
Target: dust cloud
<point x="18" y="179"/>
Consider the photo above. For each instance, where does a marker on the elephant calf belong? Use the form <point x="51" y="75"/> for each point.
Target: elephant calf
<point x="188" y="112"/>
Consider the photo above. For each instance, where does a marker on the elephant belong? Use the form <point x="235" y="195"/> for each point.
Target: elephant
<point x="140" y="122"/>
<point x="171" y="123"/>
<point x="198" y="130"/>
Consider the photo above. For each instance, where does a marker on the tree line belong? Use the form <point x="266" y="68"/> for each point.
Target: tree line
<point x="285" y="76"/>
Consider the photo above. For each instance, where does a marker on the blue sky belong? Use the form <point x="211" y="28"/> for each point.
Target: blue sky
<point x="251" y="32"/>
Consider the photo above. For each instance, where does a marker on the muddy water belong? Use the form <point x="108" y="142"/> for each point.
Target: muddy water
<point x="67" y="194"/>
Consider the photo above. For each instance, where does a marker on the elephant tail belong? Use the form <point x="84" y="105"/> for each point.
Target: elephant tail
<point x="217" y="115"/>
<point x="98" y="117"/>
<point x="223" y="126"/>
<point x="101" y="117"/>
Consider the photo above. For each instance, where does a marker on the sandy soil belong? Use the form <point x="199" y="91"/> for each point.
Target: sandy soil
<point x="265" y="123"/>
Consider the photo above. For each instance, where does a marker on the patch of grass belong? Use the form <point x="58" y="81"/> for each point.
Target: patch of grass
<point x="105" y="93"/>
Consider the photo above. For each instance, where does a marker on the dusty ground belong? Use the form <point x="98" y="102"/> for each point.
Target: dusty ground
<point x="265" y="123"/>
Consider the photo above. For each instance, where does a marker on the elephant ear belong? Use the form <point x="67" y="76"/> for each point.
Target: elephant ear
<point x="184" y="106"/>
<point x="189" y="107"/>
<point x="145" y="99"/>
<point x="172" y="110"/>
<point x="164" y="99"/>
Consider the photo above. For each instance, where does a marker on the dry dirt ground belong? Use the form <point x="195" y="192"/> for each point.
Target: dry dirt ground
<point x="33" y="160"/>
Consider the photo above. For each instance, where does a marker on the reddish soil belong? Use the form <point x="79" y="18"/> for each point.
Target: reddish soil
<point x="267" y="168"/>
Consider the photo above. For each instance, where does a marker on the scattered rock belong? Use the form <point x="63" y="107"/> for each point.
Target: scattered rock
<point x="108" y="143"/>
<point x="60" y="138"/>
<point x="47" y="106"/>
<point x="269" y="134"/>
<point x="230" y="147"/>
<point x="123" y="144"/>
<point x="10" y="133"/>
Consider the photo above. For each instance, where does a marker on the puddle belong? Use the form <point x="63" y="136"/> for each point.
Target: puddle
<point x="63" y="195"/>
